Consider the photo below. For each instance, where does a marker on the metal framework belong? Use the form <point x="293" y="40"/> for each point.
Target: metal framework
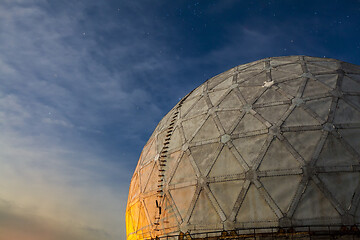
<point x="272" y="143"/>
<point x="303" y="232"/>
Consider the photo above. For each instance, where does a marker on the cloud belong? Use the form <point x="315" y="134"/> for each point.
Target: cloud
<point x="83" y="83"/>
<point x="56" y="184"/>
<point x="17" y="225"/>
<point x="57" y="90"/>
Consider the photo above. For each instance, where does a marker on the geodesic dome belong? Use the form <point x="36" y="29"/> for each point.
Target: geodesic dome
<point x="272" y="143"/>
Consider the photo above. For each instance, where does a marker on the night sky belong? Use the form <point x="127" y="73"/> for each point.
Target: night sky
<point x="84" y="83"/>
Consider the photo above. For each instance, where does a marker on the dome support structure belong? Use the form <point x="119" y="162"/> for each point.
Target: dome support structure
<point x="268" y="148"/>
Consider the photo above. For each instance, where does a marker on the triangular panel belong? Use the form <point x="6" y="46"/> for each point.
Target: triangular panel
<point x="226" y="194"/>
<point x="191" y="125"/>
<point x="352" y="137"/>
<point x="304" y="142"/>
<point x="249" y="147"/>
<point x="213" y="82"/>
<point x="272" y="113"/>
<point x="150" y="206"/>
<point x="161" y="140"/>
<point x="144" y="175"/>
<point x="228" y="118"/>
<point x="250" y="93"/>
<point x="299" y="117"/>
<point x="346" y="113"/>
<point x="230" y="101"/>
<point x="149" y="152"/>
<point x="314" y="88"/>
<point x="320" y="106"/>
<point x="215" y="96"/>
<point x="282" y="189"/>
<point x="225" y="84"/>
<point x="143" y="221"/>
<point x="329" y="65"/>
<point x="328" y="79"/>
<point x="334" y="154"/>
<point x="285" y="72"/>
<point x="342" y="186"/>
<point x="168" y="217"/>
<point x="313" y="204"/>
<point x="291" y="87"/>
<point x="130" y="224"/>
<point x="271" y="96"/>
<point x="254" y="208"/>
<point x="320" y="67"/>
<point x="246" y="74"/>
<point x="278" y="157"/>
<point x="199" y="107"/>
<point x="153" y="180"/>
<point x="175" y="140"/>
<point x="204" y="211"/>
<point x="134" y="189"/>
<point x="249" y="124"/>
<point x="355" y="77"/>
<point x="197" y="91"/>
<point x="294" y="68"/>
<point x="349" y="85"/>
<point x="226" y="164"/>
<point x="204" y="155"/>
<point x="184" y="171"/>
<point x="278" y="75"/>
<point x="171" y="163"/>
<point x="182" y="198"/>
<point x="135" y="214"/>
<point x="354" y="100"/>
<point x="187" y="105"/>
<point x="258" y="80"/>
<point x="207" y="131"/>
<point x="281" y="61"/>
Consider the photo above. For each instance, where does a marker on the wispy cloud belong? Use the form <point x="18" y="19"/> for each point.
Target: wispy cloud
<point x="57" y="90"/>
<point x="83" y="83"/>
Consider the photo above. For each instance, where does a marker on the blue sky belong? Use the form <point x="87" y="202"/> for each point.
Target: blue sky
<point x="84" y="83"/>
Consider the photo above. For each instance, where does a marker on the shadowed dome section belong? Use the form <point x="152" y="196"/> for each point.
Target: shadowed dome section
<point x="272" y="143"/>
